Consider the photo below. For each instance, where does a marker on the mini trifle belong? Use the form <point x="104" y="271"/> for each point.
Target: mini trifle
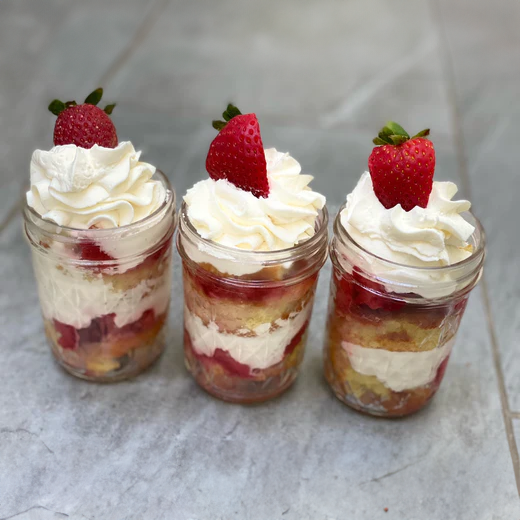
<point x="405" y="258"/>
<point x="100" y="224"/>
<point x="252" y="238"/>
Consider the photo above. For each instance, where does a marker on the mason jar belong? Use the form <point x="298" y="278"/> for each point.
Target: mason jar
<point x="246" y="313"/>
<point x="391" y="327"/>
<point x="105" y="293"/>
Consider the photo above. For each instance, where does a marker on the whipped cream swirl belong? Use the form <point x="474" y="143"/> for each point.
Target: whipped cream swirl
<point x="225" y="214"/>
<point x="97" y="187"/>
<point x="434" y="236"/>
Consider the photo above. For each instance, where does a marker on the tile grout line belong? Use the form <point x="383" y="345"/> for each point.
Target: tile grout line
<point x="450" y="80"/>
<point x="508" y="415"/>
<point x="140" y="35"/>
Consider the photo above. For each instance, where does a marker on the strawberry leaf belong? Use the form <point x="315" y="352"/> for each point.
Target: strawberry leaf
<point x="380" y="141"/>
<point x="109" y="109"/>
<point x="422" y="133"/>
<point x="384" y="135"/>
<point x="94" y="97"/>
<point x="57" y="107"/>
<point x="218" y="125"/>
<point x="231" y="112"/>
<point x="398" y="139"/>
<point x="396" y="129"/>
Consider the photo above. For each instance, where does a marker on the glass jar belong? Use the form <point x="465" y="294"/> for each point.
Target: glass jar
<point x="105" y="293"/>
<point x="246" y="313"/>
<point x="391" y="327"/>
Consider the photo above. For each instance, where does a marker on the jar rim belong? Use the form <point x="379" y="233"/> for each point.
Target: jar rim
<point x="298" y="250"/>
<point x="479" y="250"/>
<point x="35" y="218"/>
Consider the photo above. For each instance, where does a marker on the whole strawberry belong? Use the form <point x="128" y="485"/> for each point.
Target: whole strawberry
<point x="237" y="153"/>
<point x="402" y="167"/>
<point x="84" y="125"/>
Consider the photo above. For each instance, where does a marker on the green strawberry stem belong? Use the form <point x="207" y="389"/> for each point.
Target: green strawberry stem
<point x="228" y="114"/>
<point x="394" y="134"/>
<point x="57" y="107"/>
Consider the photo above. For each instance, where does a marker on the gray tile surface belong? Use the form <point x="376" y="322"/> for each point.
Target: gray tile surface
<point x="131" y="450"/>
<point x="486" y="90"/>
<point x="317" y="63"/>
<point x="322" y="77"/>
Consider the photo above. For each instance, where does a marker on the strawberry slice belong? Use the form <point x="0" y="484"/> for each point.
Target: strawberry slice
<point x="354" y="289"/>
<point x="237" y="153"/>
<point x="69" y="338"/>
<point x="402" y="167"/>
<point x="89" y="250"/>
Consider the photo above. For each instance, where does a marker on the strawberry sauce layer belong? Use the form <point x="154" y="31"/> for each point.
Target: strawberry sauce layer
<point x="353" y="296"/>
<point x="100" y="328"/>
<point x="262" y="294"/>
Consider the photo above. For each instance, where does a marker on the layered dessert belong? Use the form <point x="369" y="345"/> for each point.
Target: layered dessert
<point x="100" y="223"/>
<point x="253" y="238"/>
<point x="405" y="257"/>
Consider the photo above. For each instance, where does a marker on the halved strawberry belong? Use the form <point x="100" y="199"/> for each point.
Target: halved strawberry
<point x="402" y="167"/>
<point x="237" y="153"/>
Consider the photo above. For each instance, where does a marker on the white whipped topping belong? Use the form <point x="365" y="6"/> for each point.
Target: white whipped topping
<point x="398" y="370"/>
<point x="97" y="187"/>
<point x="434" y="236"/>
<point x="225" y="214"/>
<point x="75" y="297"/>
<point x="259" y="348"/>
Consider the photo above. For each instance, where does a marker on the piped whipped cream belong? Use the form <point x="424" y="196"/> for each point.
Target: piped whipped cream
<point x="232" y="217"/>
<point x="97" y="187"/>
<point x="434" y="236"/>
<point x="398" y="370"/>
<point x="259" y="348"/>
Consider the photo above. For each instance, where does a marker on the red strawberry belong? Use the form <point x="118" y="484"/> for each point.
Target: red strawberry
<point x="354" y="289"/>
<point x="363" y="294"/>
<point x="237" y="153"/>
<point x="402" y="167"/>
<point x="69" y="337"/>
<point x="91" y="251"/>
<point x="84" y="125"/>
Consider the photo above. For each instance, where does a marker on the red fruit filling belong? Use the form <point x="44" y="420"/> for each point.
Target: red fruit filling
<point x="355" y="289"/>
<point x="69" y="337"/>
<point x="100" y="329"/>
<point x="220" y="289"/>
<point x="90" y="251"/>
<point x="233" y="367"/>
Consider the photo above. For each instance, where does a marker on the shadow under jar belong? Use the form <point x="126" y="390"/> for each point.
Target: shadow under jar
<point x="390" y="334"/>
<point x="105" y="293"/>
<point x="246" y="313"/>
